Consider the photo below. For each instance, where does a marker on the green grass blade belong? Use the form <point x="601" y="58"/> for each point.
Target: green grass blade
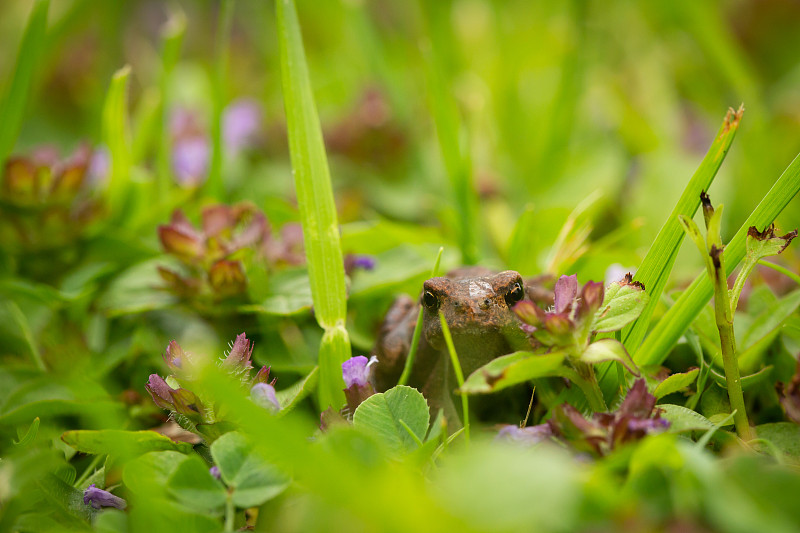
<point x="317" y="208"/>
<point x="12" y="107"/>
<point x="657" y="265"/>
<point x="116" y="136"/>
<point x="172" y="35"/>
<point x="215" y="186"/>
<point x="449" y="131"/>
<point x="678" y="318"/>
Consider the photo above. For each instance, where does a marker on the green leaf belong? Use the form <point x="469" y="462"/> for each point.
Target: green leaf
<point x="151" y="471"/>
<point x="657" y="264"/>
<point x="64" y="499"/>
<point x="784" y="435"/>
<point x="289" y="294"/>
<point x="381" y="414"/>
<point x="622" y="304"/>
<point x="136" y="290"/>
<point x="118" y="443"/>
<point x="609" y="350"/>
<point x="511" y="369"/>
<point x="252" y="479"/>
<point x="291" y="396"/>
<point x="193" y="486"/>
<point x="683" y="419"/>
<point x="317" y="208"/>
<point x="757" y="338"/>
<point x="12" y="106"/>
<point x="678" y="318"/>
<point x="675" y="383"/>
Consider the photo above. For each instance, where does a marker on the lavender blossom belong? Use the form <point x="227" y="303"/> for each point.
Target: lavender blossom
<point x="99" y="498"/>
<point x="355" y="371"/>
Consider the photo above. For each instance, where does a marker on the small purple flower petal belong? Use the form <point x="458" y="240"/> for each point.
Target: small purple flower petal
<point x="355" y="371"/>
<point x="263" y="394"/>
<point x="99" y="498"/>
<point x="241" y="124"/>
<point x="565" y="292"/>
<point x="214" y="471"/>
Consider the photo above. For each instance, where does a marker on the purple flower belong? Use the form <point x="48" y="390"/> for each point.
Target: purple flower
<point x="352" y="262"/>
<point x="214" y="471"/>
<point x="263" y="395"/>
<point x="355" y="371"/>
<point x="99" y="498"/>
<point x="528" y="435"/>
<point x="190" y="160"/>
<point x="241" y="124"/>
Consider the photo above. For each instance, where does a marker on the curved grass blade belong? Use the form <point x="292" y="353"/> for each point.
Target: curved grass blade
<point x="657" y="265"/>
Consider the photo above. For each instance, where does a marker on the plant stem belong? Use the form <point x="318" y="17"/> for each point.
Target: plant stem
<point x="412" y="350"/>
<point x="724" y="318"/>
<point x="230" y="513"/>
<point x="88" y="471"/>
<point x="448" y="339"/>
<point x="588" y="384"/>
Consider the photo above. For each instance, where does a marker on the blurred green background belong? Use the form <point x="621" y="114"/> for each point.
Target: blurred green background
<point x="555" y="100"/>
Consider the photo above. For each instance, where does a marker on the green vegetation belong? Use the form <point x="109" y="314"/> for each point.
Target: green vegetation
<point x="207" y="208"/>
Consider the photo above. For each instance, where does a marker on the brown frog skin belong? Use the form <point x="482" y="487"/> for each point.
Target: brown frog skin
<point x="477" y="306"/>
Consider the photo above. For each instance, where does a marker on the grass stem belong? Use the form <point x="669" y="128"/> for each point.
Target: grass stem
<point x="448" y="339"/>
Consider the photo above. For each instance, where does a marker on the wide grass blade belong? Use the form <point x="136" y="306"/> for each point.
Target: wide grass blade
<point x="12" y="106"/>
<point x="317" y="208"/>
<point x="116" y="136"/>
<point x="215" y="186"/>
<point x="680" y="316"/>
<point x="657" y="265"/>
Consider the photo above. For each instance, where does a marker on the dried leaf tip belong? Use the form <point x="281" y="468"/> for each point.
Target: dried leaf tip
<point x="628" y="280"/>
<point x="732" y="118"/>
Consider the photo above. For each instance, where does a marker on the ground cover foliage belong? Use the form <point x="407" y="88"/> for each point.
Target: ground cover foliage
<point x="206" y="209"/>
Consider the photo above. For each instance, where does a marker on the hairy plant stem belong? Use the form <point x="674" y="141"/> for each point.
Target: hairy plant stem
<point x="723" y="315"/>
<point x="588" y="384"/>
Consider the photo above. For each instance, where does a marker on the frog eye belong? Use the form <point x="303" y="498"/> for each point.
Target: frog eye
<point x="515" y="294"/>
<point x="430" y="301"/>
